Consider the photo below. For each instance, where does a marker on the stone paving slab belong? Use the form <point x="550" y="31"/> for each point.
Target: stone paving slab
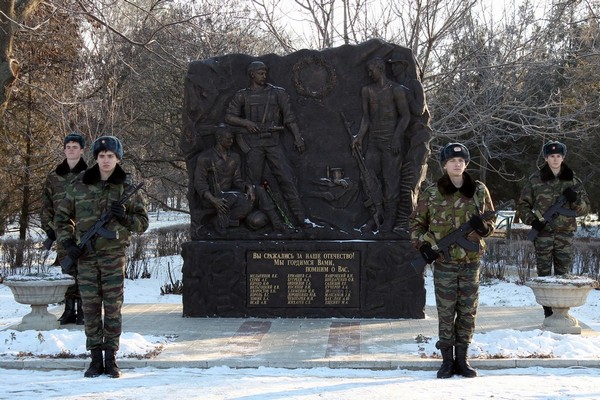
<point x="301" y="343"/>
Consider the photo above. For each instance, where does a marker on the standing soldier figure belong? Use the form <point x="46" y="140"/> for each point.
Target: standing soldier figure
<point x="54" y="191"/>
<point x="263" y="111"/>
<point x="385" y="117"/>
<point x="554" y="242"/>
<point x="456" y="199"/>
<point x="101" y="271"/>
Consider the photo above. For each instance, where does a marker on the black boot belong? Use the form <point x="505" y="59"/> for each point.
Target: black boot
<point x="447" y="368"/>
<point x="79" y="320"/>
<point x="68" y="316"/>
<point x="96" y="366"/>
<point x="547" y="311"/>
<point x="110" y="362"/>
<point x="461" y="365"/>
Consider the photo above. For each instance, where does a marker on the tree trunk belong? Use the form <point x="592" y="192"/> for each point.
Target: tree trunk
<point x="12" y="12"/>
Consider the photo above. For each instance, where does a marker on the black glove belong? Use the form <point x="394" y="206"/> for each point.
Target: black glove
<point x="478" y="225"/>
<point x="73" y="251"/>
<point x="570" y="195"/>
<point x="51" y="234"/>
<point x="118" y="210"/>
<point x="429" y="254"/>
<point x="538" y="225"/>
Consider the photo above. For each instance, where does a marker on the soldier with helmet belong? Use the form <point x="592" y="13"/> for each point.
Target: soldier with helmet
<point x="54" y="191"/>
<point x="554" y="243"/>
<point x="101" y="271"/>
<point x="455" y="199"/>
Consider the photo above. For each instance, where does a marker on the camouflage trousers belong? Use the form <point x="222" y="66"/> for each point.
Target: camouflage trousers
<point x="554" y="248"/>
<point x="101" y="283"/>
<point x="457" y="298"/>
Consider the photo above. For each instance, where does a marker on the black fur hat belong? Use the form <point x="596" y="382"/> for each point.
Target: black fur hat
<point x="75" y="137"/>
<point x="107" y="143"/>
<point x="554" y="147"/>
<point x="452" y="150"/>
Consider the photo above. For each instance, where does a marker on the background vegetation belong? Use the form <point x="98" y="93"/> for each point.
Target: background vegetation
<point x="502" y="80"/>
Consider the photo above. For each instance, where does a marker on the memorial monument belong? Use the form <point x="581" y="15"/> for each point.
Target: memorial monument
<point x="303" y="170"/>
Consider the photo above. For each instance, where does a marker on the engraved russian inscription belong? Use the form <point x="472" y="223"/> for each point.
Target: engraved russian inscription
<point x="303" y="279"/>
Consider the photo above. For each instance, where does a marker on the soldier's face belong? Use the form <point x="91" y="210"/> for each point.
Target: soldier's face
<point x="107" y="161"/>
<point x="455" y="166"/>
<point x="554" y="160"/>
<point x="73" y="151"/>
<point x="225" y="139"/>
<point x="260" y="76"/>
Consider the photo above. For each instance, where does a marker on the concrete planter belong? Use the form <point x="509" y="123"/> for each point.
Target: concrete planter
<point x="39" y="293"/>
<point x="561" y="294"/>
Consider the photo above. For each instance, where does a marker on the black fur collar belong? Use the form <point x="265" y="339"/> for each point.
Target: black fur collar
<point x="92" y="176"/>
<point x="446" y="187"/>
<point x="63" y="168"/>
<point x="565" y="174"/>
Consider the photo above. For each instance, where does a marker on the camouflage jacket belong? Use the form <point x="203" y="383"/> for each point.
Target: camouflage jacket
<point x="88" y="197"/>
<point x="543" y="189"/>
<point x="55" y="189"/>
<point x="442" y="208"/>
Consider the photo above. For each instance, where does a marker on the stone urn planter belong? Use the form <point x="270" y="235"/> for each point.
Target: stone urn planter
<point x="561" y="293"/>
<point x="38" y="290"/>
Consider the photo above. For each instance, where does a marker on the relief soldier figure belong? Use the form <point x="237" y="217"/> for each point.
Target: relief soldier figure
<point x="385" y="118"/>
<point x="264" y="110"/>
<point x="219" y="183"/>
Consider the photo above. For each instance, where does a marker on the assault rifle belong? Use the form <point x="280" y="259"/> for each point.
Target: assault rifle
<point x="370" y="183"/>
<point x="553" y="211"/>
<point x="457" y="236"/>
<point x="213" y="180"/>
<point x="98" y="229"/>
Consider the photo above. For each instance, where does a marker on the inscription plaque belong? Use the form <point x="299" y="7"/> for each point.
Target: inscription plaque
<point x="303" y="279"/>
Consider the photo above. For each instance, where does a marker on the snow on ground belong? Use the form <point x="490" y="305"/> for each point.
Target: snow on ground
<point x="316" y="383"/>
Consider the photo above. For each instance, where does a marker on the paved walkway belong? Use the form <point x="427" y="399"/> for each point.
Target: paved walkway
<point x="301" y="343"/>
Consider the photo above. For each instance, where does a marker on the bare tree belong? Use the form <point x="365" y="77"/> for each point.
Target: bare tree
<point x="12" y="14"/>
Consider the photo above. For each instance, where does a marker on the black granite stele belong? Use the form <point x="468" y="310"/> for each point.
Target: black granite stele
<point x="328" y="267"/>
<point x="222" y="280"/>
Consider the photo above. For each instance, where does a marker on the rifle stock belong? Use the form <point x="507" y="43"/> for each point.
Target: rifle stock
<point x="67" y="263"/>
<point x="48" y="243"/>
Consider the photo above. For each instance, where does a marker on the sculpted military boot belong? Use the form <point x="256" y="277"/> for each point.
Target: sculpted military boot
<point x="79" y="320"/>
<point x="461" y="365"/>
<point x="110" y="363"/>
<point x="278" y="226"/>
<point x="447" y="368"/>
<point x="96" y="366"/>
<point x="68" y="316"/>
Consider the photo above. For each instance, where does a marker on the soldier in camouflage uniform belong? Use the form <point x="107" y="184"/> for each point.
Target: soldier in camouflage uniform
<point x="456" y="199"/>
<point x="101" y="272"/>
<point x="54" y="191"/>
<point x="554" y="243"/>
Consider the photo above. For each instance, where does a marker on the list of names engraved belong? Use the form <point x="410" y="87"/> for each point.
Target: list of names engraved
<point x="261" y="288"/>
<point x="303" y="279"/>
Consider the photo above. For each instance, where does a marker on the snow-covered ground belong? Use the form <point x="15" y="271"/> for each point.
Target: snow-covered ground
<point x="316" y="383"/>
